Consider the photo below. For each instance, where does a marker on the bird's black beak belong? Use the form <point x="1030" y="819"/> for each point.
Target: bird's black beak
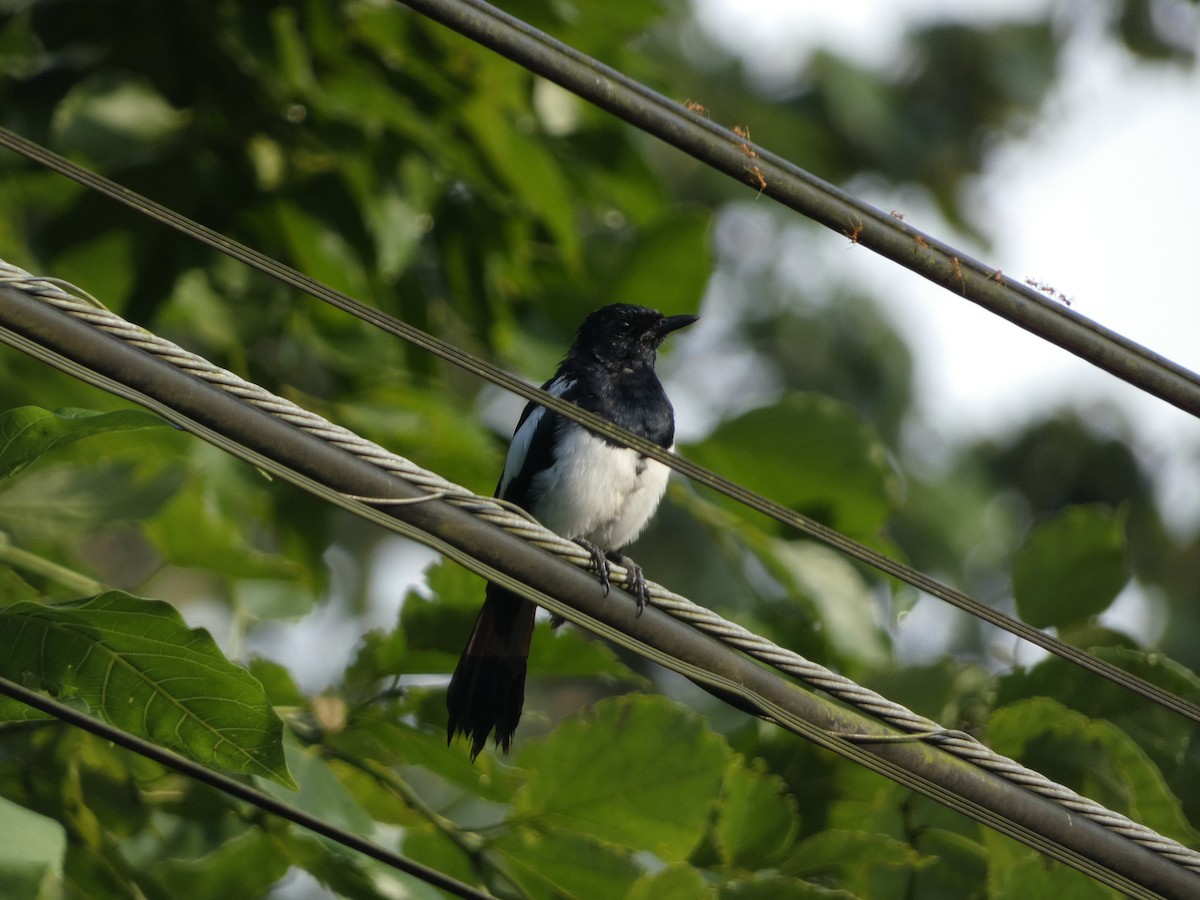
<point x="672" y="323"/>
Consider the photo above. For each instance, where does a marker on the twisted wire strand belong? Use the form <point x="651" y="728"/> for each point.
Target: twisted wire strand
<point x="516" y="521"/>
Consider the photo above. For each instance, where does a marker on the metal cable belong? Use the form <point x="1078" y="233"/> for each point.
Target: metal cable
<point x="516" y="522"/>
<point x="505" y="379"/>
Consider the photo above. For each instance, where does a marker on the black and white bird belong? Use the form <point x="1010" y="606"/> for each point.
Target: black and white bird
<point x="579" y="485"/>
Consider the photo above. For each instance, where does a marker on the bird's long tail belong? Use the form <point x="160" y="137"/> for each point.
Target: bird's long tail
<point x="487" y="689"/>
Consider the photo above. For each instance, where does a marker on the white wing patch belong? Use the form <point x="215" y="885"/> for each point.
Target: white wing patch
<point x="518" y="448"/>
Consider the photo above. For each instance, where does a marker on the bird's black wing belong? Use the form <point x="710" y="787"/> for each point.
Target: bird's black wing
<point x="532" y="448"/>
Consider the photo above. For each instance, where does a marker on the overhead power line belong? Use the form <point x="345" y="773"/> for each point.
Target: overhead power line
<point x="766" y="172"/>
<point x="496" y="375"/>
<point x="298" y="446"/>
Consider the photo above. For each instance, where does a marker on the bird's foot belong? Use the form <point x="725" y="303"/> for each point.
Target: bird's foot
<point x="599" y="562"/>
<point x="635" y="581"/>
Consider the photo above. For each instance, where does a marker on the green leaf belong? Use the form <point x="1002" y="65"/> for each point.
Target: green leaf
<point x="1070" y="567"/>
<point x="116" y="119"/>
<point x="246" y="865"/>
<point x="846" y="602"/>
<point x="678" y="881"/>
<point x="318" y="791"/>
<point x="28" y="432"/>
<point x="54" y="499"/>
<point x="106" y="264"/>
<point x="569" y="652"/>
<point x="32" y="852"/>
<point x="1164" y="735"/>
<point x="137" y="665"/>
<point x="530" y="171"/>
<point x="343" y="871"/>
<point x="778" y="887"/>
<point x="202" y="526"/>
<point x="813" y="454"/>
<point x="671" y="263"/>
<point x="1016" y="872"/>
<point x="378" y="735"/>
<point x="555" y="864"/>
<point x="581" y="778"/>
<point x="321" y="250"/>
<point x="1092" y="756"/>
<point x="438" y="850"/>
<point x="757" y="819"/>
<point x="855" y="857"/>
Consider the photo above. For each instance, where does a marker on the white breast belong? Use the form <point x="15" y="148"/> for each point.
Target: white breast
<point x="598" y="492"/>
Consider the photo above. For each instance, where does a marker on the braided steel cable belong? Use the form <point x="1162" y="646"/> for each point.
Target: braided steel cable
<point x="515" y="521"/>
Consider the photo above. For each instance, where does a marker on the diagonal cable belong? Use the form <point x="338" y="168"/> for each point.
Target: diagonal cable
<point x="434" y="487"/>
<point x="495" y="374"/>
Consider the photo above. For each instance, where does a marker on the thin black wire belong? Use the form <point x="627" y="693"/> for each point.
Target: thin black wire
<point x="493" y="373"/>
<point x="236" y="788"/>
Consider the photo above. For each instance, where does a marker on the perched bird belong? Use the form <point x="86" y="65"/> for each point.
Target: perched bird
<point x="579" y="485"/>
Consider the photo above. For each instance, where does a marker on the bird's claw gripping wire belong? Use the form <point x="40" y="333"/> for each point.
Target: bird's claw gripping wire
<point x="635" y="581"/>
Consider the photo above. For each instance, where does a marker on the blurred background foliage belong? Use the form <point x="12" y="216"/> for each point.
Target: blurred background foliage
<point x="392" y="159"/>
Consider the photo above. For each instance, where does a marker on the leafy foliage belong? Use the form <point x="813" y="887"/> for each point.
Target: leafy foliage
<point x="139" y="667"/>
<point x="390" y="158"/>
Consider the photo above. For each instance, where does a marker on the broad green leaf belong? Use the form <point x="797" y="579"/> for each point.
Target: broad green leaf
<point x="12" y="586"/>
<point x="348" y="874"/>
<point x="757" y="819"/>
<point x="856" y="858"/>
<point x="31" y="853"/>
<point x="28" y="432"/>
<point x="1070" y="567"/>
<point x="1016" y="872"/>
<point x="137" y="665"/>
<point x="318" y="791"/>
<point x="107" y="265"/>
<point x="196" y="528"/>
<point x="321" y="250"/>
<point x="1092" y="756"/>
<point x="670" y="264"/>
<point x="811" y="453"/>
<point x="569" y="652"/>
<point x="56" y="499"/>
<point x="15" y="711"/>
<point x="380" y="736"/>
<point x="116" y="119"/>
<point x="846" y="603"/>
<point x="438" y="850"/>
<point x="246" y="865"/>
<point x="530" y="171"/>
<point x="582" y="777"/>
<point x="1164" y="735"/>
<point x="779" y="887"/>
<point x="557" y="865"/>
<point x="678" y="881"/>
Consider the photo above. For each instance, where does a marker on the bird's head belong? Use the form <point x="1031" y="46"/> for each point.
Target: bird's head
<point x="625" y="335"/>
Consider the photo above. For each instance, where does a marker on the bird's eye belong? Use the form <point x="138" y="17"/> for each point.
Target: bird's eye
<point x="623" y="326"/>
